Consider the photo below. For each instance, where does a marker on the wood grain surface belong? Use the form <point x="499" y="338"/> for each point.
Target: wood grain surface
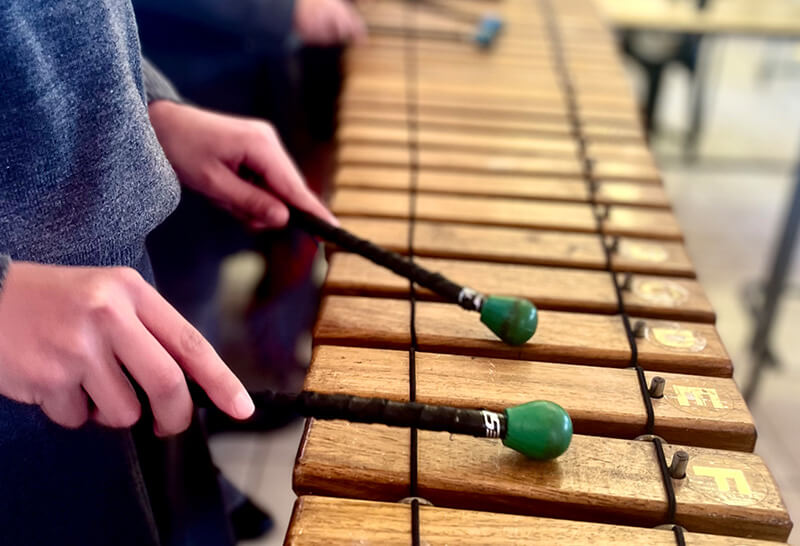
<point x="328" y="521"/>
<point x="580" y="338"/>
<point x="597" y="479"/>
<point x="499" y="144"/>
<point x="554" y="288"/>
<point x="501" y="211"/>
<point x="521" y="187"/>
<point x="523" y="246"/>
<point x="700" y="411"/>
<point x="538" y="117"/>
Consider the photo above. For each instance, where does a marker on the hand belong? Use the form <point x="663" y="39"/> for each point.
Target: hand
<point x="207" y="150"/>
<point x="328" y="22"/>
<point x="67" y="333"/>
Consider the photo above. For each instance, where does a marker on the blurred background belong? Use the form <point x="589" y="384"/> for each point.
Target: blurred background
<point x="719" y="88"/>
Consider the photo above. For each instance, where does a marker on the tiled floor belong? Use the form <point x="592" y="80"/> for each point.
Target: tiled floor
<point x="730" y="212"/>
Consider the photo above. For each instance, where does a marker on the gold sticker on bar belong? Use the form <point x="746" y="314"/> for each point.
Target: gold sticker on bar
<point x="696" y="400"/>
<point x="643" y="252"/>
<point x="675" y="337"/>
<point x="660" y="292"/>
<point x="732" y="483"/>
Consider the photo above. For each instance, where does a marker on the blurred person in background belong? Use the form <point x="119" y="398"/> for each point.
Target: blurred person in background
<point x="91" y="139"/>
<point x="242" y="57"/>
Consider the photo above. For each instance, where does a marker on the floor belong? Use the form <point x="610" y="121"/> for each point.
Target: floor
<point x="730" y="204"/>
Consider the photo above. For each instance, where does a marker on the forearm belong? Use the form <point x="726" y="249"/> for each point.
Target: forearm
<point x="5" y="262"/>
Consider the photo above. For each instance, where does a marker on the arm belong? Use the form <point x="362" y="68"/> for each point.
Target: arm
<point x="318" y="22"/>
<point x="207" y="151"/>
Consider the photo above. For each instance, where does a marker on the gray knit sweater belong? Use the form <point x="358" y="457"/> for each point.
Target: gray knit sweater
<point x="82" y="176"/>
<point x="82" y="181"/>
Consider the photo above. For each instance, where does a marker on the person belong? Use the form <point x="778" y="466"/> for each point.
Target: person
<point x="240" y="57"/>
<point x="232" y="57"/>
<point x="90" y="145"/>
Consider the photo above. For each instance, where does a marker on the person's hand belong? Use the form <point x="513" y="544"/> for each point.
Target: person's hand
<point x="208" y="151"/>
<point x="67" y="334"/>
<point x="328" y="22"/>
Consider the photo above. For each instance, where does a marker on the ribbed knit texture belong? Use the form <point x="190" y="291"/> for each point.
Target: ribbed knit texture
<point x="82" y="176"/>
<point x="156" y="85"/>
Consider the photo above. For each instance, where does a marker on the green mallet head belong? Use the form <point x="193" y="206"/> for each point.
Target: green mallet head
<point x="539" y="430"/>
<point x="512" y="319"/>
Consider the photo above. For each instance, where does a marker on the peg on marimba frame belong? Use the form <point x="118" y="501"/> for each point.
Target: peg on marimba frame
<point x="657" y="385"/>
<point x="513" y="320"/>
<point x="540" y="430"/>
<point x="677" y="468"/>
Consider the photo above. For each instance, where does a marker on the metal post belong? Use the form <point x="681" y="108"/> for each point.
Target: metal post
<point x="759" y="345"/>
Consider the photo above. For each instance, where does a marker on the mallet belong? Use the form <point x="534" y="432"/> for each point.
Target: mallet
<point x="540" y="430"/>
<point x="486" y="31"/>
<point x="513" y="320"/>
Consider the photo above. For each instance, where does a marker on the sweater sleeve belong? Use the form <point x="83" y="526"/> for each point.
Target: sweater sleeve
<point x="5" y="261"/>
<point x="156" y="85"/>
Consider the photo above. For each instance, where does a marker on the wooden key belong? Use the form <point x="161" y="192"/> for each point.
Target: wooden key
<point x="597" y="479"/>
<point x="495" y="211"/>
<point x="476" y="184"/>
<point x="610" y="192"/>
<point x="554" y="288"/>
<point x="561" y="337"/>
<point x="458" y="140"/>
<point x="365" y="116"/>
<point x="449" y="160"/>
<point x="327" y="521"/>
<point x="695" y="410"/>
<point x="524" y="246"/>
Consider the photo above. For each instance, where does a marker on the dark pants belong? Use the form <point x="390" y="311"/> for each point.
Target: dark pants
<point x="95" y="486"/>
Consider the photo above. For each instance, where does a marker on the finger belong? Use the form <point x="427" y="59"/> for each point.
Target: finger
<point x="269" y="160"/>
<point x="152" y="367"/>
<point x="194" y="353"/>
<point x="359" y="26"/>
<point x="253" y="204"/>
<point x="116" y="404"/>
<point x="68" y="407"/>
<point x="341" y="23"/>
<point x="354" y="25"/>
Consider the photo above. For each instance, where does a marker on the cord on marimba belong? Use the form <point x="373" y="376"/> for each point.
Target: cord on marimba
<point x="410" y="66"/>
<point x="410" y="63"/>
<point x="630" y="334"/>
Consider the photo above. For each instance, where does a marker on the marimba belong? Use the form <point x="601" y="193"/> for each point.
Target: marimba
<point x="519" y="170"/>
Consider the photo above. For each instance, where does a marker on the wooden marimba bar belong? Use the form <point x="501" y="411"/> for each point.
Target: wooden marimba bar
<point x="520" y="170"/>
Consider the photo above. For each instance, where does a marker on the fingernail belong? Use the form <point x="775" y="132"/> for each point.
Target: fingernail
<point x="243" y="405"/>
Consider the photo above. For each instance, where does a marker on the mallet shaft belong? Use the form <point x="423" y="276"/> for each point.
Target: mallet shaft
<point x="359" y="409"/>
<point x="447" y="289"/>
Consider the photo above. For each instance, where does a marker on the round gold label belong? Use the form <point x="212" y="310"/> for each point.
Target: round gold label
<point x="675" y="337"/>
<point x="621" y="192"/>
<point x="643" y="252"/>
<point x="660" y="292"/>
